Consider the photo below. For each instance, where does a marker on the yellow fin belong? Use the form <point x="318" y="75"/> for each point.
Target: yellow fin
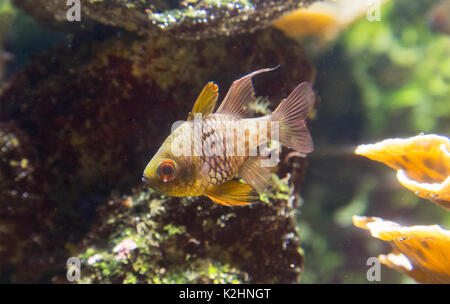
<point x="233" y="193"/>
<point x="206" y="101"/>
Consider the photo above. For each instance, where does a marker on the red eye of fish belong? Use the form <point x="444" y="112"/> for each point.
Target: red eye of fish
<point x="167" y="170"/>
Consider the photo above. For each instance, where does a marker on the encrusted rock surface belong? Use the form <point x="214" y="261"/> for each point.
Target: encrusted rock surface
<point x="93" y="115"/>
<point x="192" y="19"/>
<point x="150" y="238"/>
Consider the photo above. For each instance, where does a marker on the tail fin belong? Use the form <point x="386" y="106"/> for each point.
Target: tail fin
<point x="291" y="114"/>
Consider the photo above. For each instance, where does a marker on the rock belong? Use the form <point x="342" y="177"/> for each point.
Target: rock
<point x="192" y="19"/>
<point x="25" y="214"/>
<point x="94" y="115"/>
<point x="7" y="16"/>
<point x="150" y="238"/>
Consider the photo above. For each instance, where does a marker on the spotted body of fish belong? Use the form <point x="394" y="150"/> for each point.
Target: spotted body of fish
<point x="205" y="154"/>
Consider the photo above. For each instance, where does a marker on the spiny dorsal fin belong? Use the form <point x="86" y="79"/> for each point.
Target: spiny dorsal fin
<point x="254" y="174"/>
<point x="239" y="95"/>
<point x="206" y="101"/>
<point x="233" y="193"/>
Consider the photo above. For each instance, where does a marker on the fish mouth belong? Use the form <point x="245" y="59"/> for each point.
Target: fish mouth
<point x="148" y="182"/>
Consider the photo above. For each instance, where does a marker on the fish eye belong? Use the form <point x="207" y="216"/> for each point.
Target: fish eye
<point x="167" y="170"/>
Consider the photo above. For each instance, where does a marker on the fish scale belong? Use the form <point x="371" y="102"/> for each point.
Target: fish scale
<point x="217" y="169"/>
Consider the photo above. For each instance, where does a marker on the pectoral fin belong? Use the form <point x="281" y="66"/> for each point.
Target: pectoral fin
<point x="233" y="193"/>
<point x="206" y="101"/>
<point x="254" y="174"/>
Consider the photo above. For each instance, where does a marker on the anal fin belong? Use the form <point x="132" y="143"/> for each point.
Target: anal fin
<point x="233" y="193"/>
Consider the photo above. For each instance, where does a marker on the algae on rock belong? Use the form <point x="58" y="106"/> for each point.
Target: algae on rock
<point x="195" y="19"/>
<point x="98" y="111"/>
<point x="152" y="238"/>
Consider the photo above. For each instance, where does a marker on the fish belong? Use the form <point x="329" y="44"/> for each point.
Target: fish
<point x="221" y="154"/>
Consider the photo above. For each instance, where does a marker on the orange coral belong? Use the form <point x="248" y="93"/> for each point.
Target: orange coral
<point x="324" y="18"/>
<point x="303" y="23"/>
<point x="422" y="163"/>
<point x="422" y="252"/>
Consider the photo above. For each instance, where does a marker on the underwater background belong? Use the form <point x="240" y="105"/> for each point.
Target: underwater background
<point x="85" y="104"/>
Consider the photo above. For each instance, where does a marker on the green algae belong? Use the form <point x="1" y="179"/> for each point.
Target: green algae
<point x="405" y="75"/>
<point x="185" y="19"/>
<point x="92" y="143"/>
<point x="163" y="250"/>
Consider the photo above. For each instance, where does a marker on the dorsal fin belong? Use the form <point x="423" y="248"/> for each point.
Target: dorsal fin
<point x="206" y="101"/>
<point x="239" y="95"/>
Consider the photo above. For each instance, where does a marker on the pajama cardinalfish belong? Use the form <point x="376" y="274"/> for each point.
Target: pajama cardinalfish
<point x="197" y="174"/>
